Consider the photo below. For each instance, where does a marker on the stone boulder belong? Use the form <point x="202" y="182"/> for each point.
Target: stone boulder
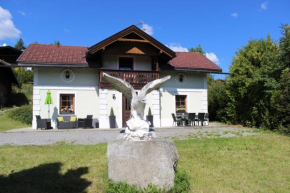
<point x="143" y="162"/>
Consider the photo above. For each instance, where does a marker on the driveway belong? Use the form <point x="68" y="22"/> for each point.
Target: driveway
<point x="28" y="136"/>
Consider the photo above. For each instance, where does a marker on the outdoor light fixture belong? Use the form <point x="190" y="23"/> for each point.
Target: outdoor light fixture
<point x="114" y="97"/>
<point x="67" y="75"/>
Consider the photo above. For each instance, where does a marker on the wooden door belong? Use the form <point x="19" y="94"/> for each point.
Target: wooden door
<point x="126" y="110"/>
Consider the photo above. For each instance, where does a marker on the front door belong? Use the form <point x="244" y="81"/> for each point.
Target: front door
<point x="126" y="110"/>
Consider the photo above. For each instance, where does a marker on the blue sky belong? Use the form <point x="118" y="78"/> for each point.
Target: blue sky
<point x="221" y="27"/>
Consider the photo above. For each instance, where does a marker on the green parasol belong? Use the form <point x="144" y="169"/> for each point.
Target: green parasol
<point x="48" y="101"/>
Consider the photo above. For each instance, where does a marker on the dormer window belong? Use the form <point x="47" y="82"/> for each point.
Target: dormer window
<point x="125" y="63"/>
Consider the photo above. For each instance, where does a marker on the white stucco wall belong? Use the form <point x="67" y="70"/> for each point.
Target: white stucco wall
<point x="140" y="62"/>
<point x="83" y="77"/>
<point x="83" y="86"/>
<point x="195" y="88"/>
<point x="90" y="100"/>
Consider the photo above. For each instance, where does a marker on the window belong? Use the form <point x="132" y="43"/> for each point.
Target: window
<point x="180" y="78"/>
<point x="125" y="63"/>
<point x="67" y="75"/>
<point x="180" y="103"/>
<point x="67" y="104"/>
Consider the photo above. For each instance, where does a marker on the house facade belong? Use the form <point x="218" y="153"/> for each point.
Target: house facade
<point x="74" y="75"/>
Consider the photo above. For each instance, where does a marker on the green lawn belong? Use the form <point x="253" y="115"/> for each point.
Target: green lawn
<point x="7" y="123"/>
<point x="246" y="164"/>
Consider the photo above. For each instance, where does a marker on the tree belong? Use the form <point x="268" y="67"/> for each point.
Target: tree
<point x="282" y="98"/>
<point x="217" y="100"/>
<point x="252" y="84"/>
<point x="57" y="42"/>
<point x="197" y="49"/>
<point x="20" y="45"/>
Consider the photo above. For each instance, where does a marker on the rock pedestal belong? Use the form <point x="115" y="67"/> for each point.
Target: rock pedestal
<point x="143" y="162"/>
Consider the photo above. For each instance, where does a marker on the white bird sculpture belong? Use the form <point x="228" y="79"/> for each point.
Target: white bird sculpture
<point x="137" y="126"/>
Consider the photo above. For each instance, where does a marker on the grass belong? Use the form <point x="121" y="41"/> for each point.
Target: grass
<point x="246" y="164"/>
<point x="7" y="123"/>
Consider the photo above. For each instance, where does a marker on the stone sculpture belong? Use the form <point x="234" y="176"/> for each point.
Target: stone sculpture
<point x="138" y="127"/>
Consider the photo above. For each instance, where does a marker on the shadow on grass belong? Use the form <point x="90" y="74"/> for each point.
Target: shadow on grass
<point x="45" y="178"/>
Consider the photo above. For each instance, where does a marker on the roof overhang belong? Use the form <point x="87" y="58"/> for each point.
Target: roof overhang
<point x="56" y="65"/>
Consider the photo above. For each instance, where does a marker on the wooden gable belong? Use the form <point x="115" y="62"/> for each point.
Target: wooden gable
<point x="130" y="41"/>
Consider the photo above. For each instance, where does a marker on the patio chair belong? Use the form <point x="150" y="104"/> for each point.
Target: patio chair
<point x="192" y="118"/>
<point x="176" y="120"/>
<point x="42" y="123"/>
<point x="88" y="122"/>
<point x="206" y="118"/>
<point x="201" y="118"/>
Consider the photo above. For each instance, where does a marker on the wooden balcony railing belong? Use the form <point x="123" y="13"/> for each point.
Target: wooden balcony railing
<point x="136" y="78"/>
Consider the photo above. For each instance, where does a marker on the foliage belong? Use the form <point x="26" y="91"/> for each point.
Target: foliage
<point x="7" y="123"/>
<point x="282" y="102"/>
<point x="17" y="99"/>
<point x="20" y="44"/>
<point x="181" y="184"/>
<point x="217" y="100"/>
<point x="57" y="42"/>
<point x="258" y="86"/>
<point x="252" y="84"/>
<point x="149" y="112"/>
<point x="20" y="95"/>
<point x="22" y="114"/>
<point x="24" y="76"/>
<point x="210" y="79"/>
<point x="197" y="49"/>
<point x="112" y="112"/>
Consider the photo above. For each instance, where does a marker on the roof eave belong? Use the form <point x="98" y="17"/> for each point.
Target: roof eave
<point x="213" y="71"/>
<point x="56" y="65"/>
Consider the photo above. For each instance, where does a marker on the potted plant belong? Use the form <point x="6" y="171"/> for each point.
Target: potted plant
<point x="112" y="119"/>
<point x="149" y="117"/>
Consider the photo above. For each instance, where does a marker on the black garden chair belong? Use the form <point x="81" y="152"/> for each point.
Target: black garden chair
<point x="192" y="118"/>
<point x="176" y="121"/>
<point x="88" y="122"/>
<point x="43" y="123"/>
<point x="201" y="118"/>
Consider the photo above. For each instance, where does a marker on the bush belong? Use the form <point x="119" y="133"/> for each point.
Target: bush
<point x="24" y="76"/>
<point x="181" y="184"/>
<point x="217" y="100"/>
<point x="112" y="112"/>
<point x="17" y="99"/>
<point x="22" y="114"/>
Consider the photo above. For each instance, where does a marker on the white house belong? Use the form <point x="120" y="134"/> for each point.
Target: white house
<point x="73" y="74"/>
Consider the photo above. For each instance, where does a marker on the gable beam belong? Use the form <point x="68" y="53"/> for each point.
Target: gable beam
<point x="132" y="40"/>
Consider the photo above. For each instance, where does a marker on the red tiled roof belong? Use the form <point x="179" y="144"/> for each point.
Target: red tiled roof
<point x="193" y="60"/>
<point x="53" y="54"/>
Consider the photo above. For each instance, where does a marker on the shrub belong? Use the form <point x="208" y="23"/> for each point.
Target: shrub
<point x="17" y="99"/>
<point x="181" y="184"/>
<point x="112" y="112"/>
<point x="22" y="114"/>
<point x="149" y="112"/>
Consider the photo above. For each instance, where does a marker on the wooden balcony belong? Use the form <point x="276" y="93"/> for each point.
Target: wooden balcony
<point x="137" y="79"/>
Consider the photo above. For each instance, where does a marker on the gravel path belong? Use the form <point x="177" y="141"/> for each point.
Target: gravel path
<point x="28" y="136"/>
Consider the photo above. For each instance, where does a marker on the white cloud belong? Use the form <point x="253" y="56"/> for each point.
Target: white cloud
<point x="4" y="44"/>
<point x="21" y="12"/>
<point x="147" y="28"/>
<point x="66" y="30"/>
<point x="234" y="15"/>
<point x="7" y="27"/>
<point x="177" y="47"/>
<point x="264" y="5"/>
<point x="211" y="56"/>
